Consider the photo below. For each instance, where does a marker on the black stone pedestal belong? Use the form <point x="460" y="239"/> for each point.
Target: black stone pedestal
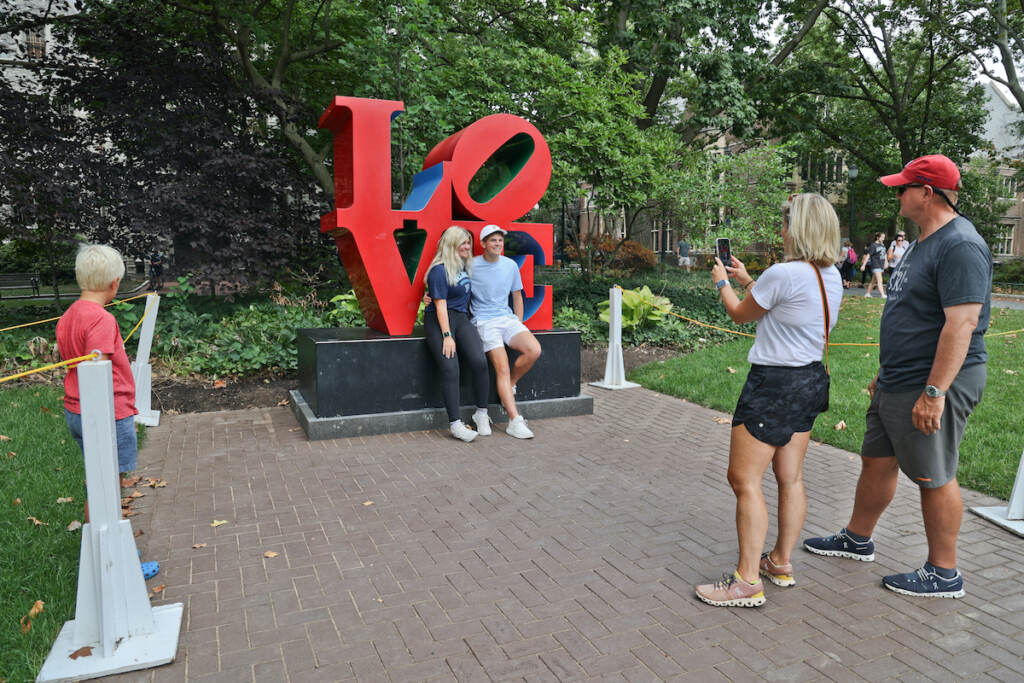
<point x="357" y="382"/>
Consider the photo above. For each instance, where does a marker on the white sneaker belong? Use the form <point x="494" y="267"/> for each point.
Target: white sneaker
<point x="483" y="424"/>
<point x="518" y="429"/>
<point x="461" y="431"/>
<point x="884" y="296"/>
<point x="867" y="294"/>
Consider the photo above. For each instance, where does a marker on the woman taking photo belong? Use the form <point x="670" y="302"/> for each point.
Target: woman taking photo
<point x="794" y="303"/>
<point x="450" y="335"/>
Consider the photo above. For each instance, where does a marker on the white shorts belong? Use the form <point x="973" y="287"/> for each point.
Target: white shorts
<point x="496" y="332"/>
<point x="685" y="260"/>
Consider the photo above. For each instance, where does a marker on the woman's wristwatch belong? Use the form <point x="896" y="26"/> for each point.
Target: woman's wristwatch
<point x="446" y="335"/>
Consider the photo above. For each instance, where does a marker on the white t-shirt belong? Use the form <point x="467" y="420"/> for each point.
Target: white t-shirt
<point x="492" y="284"/>
<point x="898" y="250"/>
<point x="792" y="332"/>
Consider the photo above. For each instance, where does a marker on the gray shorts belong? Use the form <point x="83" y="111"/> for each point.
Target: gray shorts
<point x="929" y="460"/>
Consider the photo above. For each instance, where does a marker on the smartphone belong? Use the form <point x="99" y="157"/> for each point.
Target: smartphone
<point x="723" y="251"/>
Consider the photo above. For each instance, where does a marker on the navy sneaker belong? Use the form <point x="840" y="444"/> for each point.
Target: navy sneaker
<point x="927" y="583"/>
<point x="842" y="545"/>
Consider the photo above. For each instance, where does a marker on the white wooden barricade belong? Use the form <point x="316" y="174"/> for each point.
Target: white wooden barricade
<point x="614" y="370"/>
<point x="1010" y="517"/>
<point x="142" y="371"/>
<point x="112" y="611"/>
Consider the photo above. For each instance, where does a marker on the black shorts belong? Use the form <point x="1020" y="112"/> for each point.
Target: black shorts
<point x="778" y="401"/>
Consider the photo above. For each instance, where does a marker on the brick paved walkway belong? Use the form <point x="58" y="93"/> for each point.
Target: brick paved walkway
<point x="414" y="557"/>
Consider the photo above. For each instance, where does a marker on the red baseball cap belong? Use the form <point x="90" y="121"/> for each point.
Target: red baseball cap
<point x="935" y="170"/>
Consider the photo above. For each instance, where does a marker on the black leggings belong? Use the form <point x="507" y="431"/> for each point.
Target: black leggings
<point x="468" y="348"/>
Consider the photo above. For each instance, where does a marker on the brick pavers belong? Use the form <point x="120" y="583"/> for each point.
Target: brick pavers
<point x="414" y="557"/>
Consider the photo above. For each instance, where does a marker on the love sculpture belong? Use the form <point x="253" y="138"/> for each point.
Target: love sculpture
<point x="493" y="171"/>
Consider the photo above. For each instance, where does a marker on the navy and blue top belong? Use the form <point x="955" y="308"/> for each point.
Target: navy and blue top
<point x="456" y="296"/>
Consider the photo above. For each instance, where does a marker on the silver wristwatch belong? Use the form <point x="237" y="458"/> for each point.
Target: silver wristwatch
<point x="932" y="391"/>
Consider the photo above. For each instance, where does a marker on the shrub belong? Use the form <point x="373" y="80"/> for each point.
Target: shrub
<point x="591" y="330"/>
<point x="640" y="307"/>
<point x="630" y="256"/>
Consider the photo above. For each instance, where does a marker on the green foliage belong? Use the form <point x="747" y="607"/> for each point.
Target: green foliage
<point x="591" y="331"/>
<point x="38" y="562"/>
<point x="991" y="445"/>
<point x="603" y="253"/>
<point x="1011" y="271"/>
<point x="640" y="308"/>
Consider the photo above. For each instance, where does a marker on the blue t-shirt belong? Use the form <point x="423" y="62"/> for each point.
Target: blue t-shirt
<point x="456" y="296"/>
<point x="952" y="266"/>
<point x="492" y="284"/>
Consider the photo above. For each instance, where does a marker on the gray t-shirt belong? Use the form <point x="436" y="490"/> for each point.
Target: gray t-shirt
<point x="952" y="266"/>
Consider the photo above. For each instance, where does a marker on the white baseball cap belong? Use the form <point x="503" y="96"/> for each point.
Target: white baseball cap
<point x="490" y="230"/>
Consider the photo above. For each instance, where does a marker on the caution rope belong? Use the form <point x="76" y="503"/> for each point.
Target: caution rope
<point x="80" y="359"/>
<point x="139" y="324"/>
<point x="746" y="334"/>
<point x="50" y="320"/>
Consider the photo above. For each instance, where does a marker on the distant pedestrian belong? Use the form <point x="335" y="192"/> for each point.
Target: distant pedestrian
<point x="156" y="271"/>
<point x="897" y="248"/>
<point x="848" y="263"/>
<point x="874" y="260"/>
<point x="683" y="253"/>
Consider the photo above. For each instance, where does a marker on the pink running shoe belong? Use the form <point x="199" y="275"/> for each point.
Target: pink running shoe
<point x="732" y="591"/>
<point x="779" y="574"/>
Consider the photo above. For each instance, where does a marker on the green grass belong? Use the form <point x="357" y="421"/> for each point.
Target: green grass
<point x="994" y="439"/>
<point x="36" y="562"/>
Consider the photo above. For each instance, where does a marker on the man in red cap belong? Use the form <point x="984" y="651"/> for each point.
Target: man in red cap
<point x="932" y="369"/>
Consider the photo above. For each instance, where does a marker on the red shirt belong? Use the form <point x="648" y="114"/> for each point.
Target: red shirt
<point x="87" y="326"/>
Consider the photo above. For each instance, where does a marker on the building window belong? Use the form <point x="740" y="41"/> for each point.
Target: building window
<point x="1009" y="183"/>
<point x="35" y="43"/>
<point x="656" y="238"/>
<point x="1004" y="242"/>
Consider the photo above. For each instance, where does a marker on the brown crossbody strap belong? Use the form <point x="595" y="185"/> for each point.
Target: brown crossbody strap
<point x="824" y="309"/>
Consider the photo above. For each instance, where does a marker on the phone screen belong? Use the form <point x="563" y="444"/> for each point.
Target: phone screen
<point x="723" y="251"/>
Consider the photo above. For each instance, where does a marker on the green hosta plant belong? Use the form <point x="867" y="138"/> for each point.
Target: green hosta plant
<point x="640" y="307"/>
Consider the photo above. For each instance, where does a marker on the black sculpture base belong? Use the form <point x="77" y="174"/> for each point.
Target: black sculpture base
<point x="358" y="382"/>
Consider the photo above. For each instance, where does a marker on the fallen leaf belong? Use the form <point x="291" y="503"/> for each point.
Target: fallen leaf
<point x="11" y="454"/>
<point x="722" y="420"/>
<point x="74" y="526"/>
<point x="84" y="651"/>
<point x="136" y="494"/>
<point x="270" y="553"/>
<point x="160" y="588"/>
<point x="128" y="482"/>
<point x="139" y="532"/>
<point x="732" y="371"/>
<point x="219" y="384"/>
<point x="294" y="429"/>
<point x="1011" y="372"/>
<point x="36" y="521"/>
<point x="44" y="409"/>
<point x="367" y="503"/>
<point x="26" y="621"/>
<point x="865" y="391"/>
<point x="218" y="522"/>
<point x="283" y="402"/>
<point x="129" y="513"/>
<point x="841" y="425"/>
<point x="17" y="501"/>
<point x="155" y="483"/>
<point x="4" y="437"/>
<point x="69" y="499"/>
<point x="197" y="546"/>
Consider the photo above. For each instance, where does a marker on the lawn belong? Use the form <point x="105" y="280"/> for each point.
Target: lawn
<point x="994" y="439"/>
<point x="39" y="463"/>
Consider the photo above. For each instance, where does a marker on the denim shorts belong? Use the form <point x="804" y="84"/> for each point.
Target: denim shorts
<point x="778" y="401"/>
<point x="127" y="442"/>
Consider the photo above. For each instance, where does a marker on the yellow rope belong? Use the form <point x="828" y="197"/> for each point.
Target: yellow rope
<point x="50" y="320"/>
<point x="49" y="367"/>
<point x="1001" y="334"/>
<point x="138" y="324"/>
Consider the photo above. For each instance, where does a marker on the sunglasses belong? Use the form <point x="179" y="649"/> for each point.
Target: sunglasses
<point x="903" y="188"/>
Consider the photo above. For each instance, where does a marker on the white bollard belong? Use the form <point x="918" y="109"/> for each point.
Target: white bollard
<point x="1010" y="517"/>
<point x="112" y="611"/>
<point x="614" y="369"/>
<point x="142" y="371"/>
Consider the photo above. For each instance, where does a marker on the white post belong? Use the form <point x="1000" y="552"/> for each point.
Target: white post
<point x="112" y="612"/>
<point x="142" y="371"/>
<point x="1010" y="517"/>
<point x="614" y="369"/>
